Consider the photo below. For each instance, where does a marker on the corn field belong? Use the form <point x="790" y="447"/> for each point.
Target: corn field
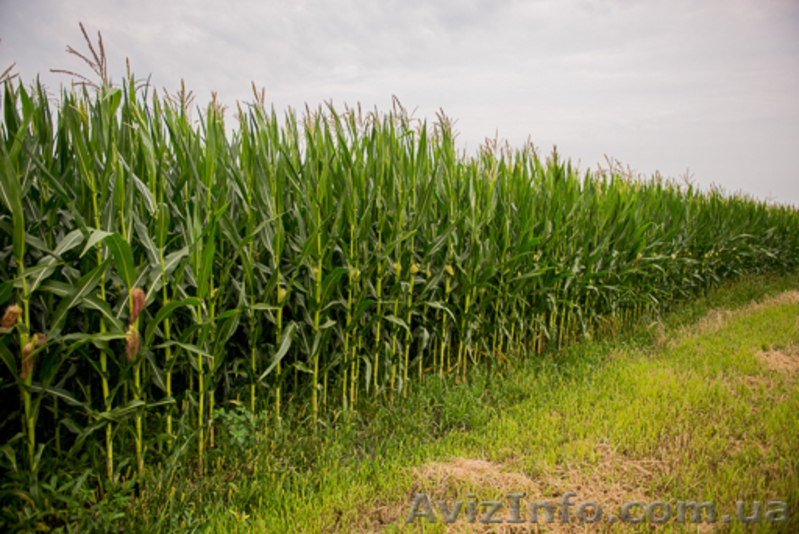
<point x="153" y="266"/>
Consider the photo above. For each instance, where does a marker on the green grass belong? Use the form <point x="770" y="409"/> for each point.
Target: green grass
<point x="697" y="418"/>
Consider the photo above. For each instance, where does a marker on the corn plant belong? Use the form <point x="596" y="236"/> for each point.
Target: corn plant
<point x="153" y="265"/>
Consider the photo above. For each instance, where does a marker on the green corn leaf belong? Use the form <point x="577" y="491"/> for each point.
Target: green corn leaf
<point x="163" y="219"/>
<point x="226" y="326"/>
<point x="123" y="258"/>
<point x="61" y="289"/>
<point x="331" y="281"/>
<point x="262" y="307"/>
<point x="144" y="237"/>
<point x="11" y="193"/>
<point x="285" y="344"/>
<point x="95" y="237"/>
<point x="10" y="455"/>
<point x="59" y="393"/>
<point x="185" y="346"/>
<point x="8" y="358"/>
<point x="70" y="241"/>
<point x="6" y="290"/>
<point x="97" y="339"/>
<point x="166" y="401"/>
<point x="29" y="240"/>
<point x="77" y="294"/>
<point x="164" y="313"/>
<point x="157" y="373"/>
<point x="397" y="321"/>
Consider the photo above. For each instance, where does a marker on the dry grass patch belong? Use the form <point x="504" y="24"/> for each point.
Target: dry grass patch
<point x="785" y="362"/>
<point x="786" y="297"/>
<point x="612" y="481"/>
<point x="715" y="319"/>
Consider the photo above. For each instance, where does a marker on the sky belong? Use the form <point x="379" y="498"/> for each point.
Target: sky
<point x="701" y="89"/>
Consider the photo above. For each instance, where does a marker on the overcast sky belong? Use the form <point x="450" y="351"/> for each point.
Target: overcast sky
<point x="705" y="86"/>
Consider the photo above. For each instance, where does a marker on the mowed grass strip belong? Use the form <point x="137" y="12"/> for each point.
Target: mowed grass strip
<point x="710" y="416"/>
<point x="699" y="408"/>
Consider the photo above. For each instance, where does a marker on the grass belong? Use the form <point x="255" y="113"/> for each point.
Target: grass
<point x="700" y="407"/>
